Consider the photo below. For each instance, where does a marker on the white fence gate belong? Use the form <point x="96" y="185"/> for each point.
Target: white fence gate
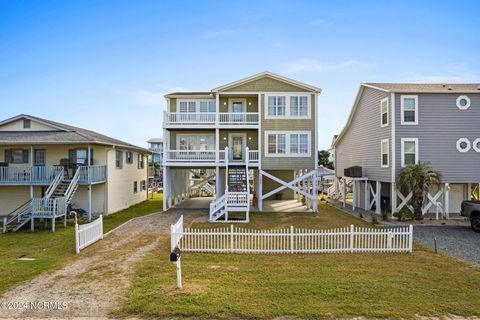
<point x="176" y="233"/>
<point x="88" y="233"/>
<point x="292" y="240"/>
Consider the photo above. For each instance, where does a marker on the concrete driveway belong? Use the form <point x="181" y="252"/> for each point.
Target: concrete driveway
<point x="455" y="240"/>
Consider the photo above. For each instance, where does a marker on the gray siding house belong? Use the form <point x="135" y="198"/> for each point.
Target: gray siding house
<point x="392" y="125"/>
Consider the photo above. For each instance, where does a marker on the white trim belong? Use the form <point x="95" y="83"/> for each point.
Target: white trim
<point x="394" y="151"/>
<point x="179" y="135"/>
<point x="287" y="96"/>
<point x="388" y="153"/>
<point x="197" y="104"/>
<point x="383" y="125"/>
<point x="402" y="98"/>
<point x="465" y="107"/>
<point x="287" y="144"/>
<point x="469" y="145"/>
<point x="232" y="100"/>
<point x="402" y="150"/>
<point x="475" y="143"/>
<point x="374" y="87"/>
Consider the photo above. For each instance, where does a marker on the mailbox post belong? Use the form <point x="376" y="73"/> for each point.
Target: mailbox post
<point x="175" y="257"/>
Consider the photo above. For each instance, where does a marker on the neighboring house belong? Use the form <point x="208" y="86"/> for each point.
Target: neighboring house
<point x="155" y="145"/>
<point x="46" y="166"/>
<point x="392" y="125"/>
<point x="262" y="129"/>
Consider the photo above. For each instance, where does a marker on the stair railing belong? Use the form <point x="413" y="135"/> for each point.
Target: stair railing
<point x="217" y="205"/>
<point x="53" y="186"/>
<point x="72" y="187"/>
<point x="17" y="214"/>
<point x="247" y="180"/>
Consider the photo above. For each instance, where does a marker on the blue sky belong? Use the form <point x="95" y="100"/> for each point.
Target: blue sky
<point x="105" y="65"/>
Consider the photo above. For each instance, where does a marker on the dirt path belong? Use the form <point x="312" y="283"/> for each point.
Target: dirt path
<point x="93" y="285"/>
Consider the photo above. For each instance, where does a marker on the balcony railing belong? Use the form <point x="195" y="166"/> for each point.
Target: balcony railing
<point x="206" y="156"/>
<point x="25" y="175"/>
<point x="156" y="149"/>
<point x="92" y="174"/>
<point x="214" y="119"/>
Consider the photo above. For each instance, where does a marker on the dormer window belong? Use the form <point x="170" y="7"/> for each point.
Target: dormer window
<point x="27" y="124"/>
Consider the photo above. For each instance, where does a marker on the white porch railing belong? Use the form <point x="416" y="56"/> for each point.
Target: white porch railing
<point x="211" y="118"/>
<point x="205" y="156"/>
<point x="295" y="240"/>
<point x="253" y="156"/>
<point x="88" y="233"/>
<point x="48" y="207"/>
<point x="237" y="199"/>
<point x="28" y="174"/>
<point x="230" y="118"/>
<point x="92" y="174"/>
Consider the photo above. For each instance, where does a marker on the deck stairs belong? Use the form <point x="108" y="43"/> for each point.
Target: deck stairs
<point x="59" y="193"/>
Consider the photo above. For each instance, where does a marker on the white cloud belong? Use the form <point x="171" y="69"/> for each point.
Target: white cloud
<point x="313" y="65"/>
<point x="321" y="22"/>
<point x="148" y="97"/>
<point x="210" y="34"/>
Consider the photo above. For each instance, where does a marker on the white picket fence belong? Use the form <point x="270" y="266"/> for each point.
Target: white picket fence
<point x="292" y="240"/>
<point x="176" y="233"/>
<point x="88" y="233"/>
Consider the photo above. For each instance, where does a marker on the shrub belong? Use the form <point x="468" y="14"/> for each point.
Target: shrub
<point x="404" y="214"/>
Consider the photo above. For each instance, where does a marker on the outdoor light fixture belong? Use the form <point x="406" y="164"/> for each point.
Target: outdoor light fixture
<point x="224" y="103"/>
<point x="224" y="138"/>
<point x="249" y="138"/>
<point x="250" y="103"/>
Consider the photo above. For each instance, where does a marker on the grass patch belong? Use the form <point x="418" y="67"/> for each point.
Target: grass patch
<point x="305" y="286"/>
<point x="51" y="250"/>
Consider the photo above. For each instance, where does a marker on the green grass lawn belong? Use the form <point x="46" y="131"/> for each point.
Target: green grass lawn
<point x="305" y="286"/>
<point x="51" y="250"/>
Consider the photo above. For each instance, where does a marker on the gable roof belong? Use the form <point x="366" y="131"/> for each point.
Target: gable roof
<point x="61" y="133"/>
<point x="269" y="75"/>
<point x="426" y="87"/>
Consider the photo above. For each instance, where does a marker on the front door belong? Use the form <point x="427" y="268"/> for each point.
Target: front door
<point x="237" y="147"/>
<point x="237" y="108"/>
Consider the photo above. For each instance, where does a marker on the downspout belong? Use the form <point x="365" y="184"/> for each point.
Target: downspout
<point x="393" y="201"/>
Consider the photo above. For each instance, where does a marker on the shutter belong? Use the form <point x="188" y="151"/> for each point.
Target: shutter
<point x="8" y="155"/>
<point x="25" y="156"/>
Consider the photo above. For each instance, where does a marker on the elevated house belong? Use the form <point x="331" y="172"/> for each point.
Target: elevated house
<point x="47" y="167"/>
<point x="155" y="145"/>
<point x="257" y="136"/>
<point x="392" y="125"/>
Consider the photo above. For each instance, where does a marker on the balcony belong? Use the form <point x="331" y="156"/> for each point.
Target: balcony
<point x="209" y="157"/>
<point x="44" y="175"/>
<point x="209" y="120"/>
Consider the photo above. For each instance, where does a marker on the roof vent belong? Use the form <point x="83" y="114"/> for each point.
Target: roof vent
<point x="449" y="87"/>
<point x="444" y="85"/>
<point x="478" y="87"/>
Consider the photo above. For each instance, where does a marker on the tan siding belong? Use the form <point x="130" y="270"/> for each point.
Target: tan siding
<point x="251" y="144"/>
<point x="266" y="84"/>
<point x="174" y="133"/>
<point x="269" y="184"/>
<point x="34" y="126"/>
<point x="224" y="103"/>
<point x="289" y="124"/>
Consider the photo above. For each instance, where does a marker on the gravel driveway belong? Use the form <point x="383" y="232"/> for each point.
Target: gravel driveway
<point x="458" y="241"/>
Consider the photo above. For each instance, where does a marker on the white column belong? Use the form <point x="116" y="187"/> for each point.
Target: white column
<point x="315" y="193"/>
<point x="89" y="202"/>
<point x="393" y="197"/>
<point x="378" y="195"/>
<point x="260" y="191"/>
<point x="447" y="200"/>
<point x="354" y="194"/>
<point x="344" y="192"/>
<point x="367" y="196"/>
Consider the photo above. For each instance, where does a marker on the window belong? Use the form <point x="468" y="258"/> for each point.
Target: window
<point x="16" y="156"/>
<point x="135" y="186"/>
<point x="79" y="157"/>
<point x="188" y="107"/>
<point x="409" y="109"/>
<point x="276" y="105"/>
<point x="463" y="102"/>
<point x="196" y="142"/>
<point x="27" y="124"/>
<point x="384" y="151"/>
<point x="39" y="157"/>
<point x="476" y="145"/>
<point x="409" y="151"/>
<point x="299" y="106"/>
<point x="141" y="161"/>
<point x="207" y="106"/>
<point x="128" y="157"/>
<point x="118" y="159"/>
<point x="384" y="112"/>
<point x="287" y="143"/>
<point x="463" y="145"/>
<point x="299" y="143"/>
<point x="288" y="106"/>
<point x="143" y="185"/>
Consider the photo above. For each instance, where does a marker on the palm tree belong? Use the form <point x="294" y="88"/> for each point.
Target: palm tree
<point x="418" y="179"/>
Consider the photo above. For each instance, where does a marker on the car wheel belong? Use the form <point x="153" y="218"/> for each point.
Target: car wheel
<point x="475" y="223"/>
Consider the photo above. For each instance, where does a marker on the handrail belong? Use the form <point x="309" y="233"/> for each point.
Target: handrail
<point x="17" y="213"/>
<point x="53" y="186"/>
<point x="72" y="186"/>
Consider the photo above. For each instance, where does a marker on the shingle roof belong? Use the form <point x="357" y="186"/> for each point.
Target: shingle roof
<point x="61" y="133"/>
<point x="188" y="94"/>
<point x="155" y="140"/>
<point x="427" y="87"/>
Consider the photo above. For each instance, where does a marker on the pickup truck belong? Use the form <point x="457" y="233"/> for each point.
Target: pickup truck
<point x="471" y="210"/>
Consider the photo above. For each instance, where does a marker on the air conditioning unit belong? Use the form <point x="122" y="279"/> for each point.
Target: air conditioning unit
<point x="353" y="172"/>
